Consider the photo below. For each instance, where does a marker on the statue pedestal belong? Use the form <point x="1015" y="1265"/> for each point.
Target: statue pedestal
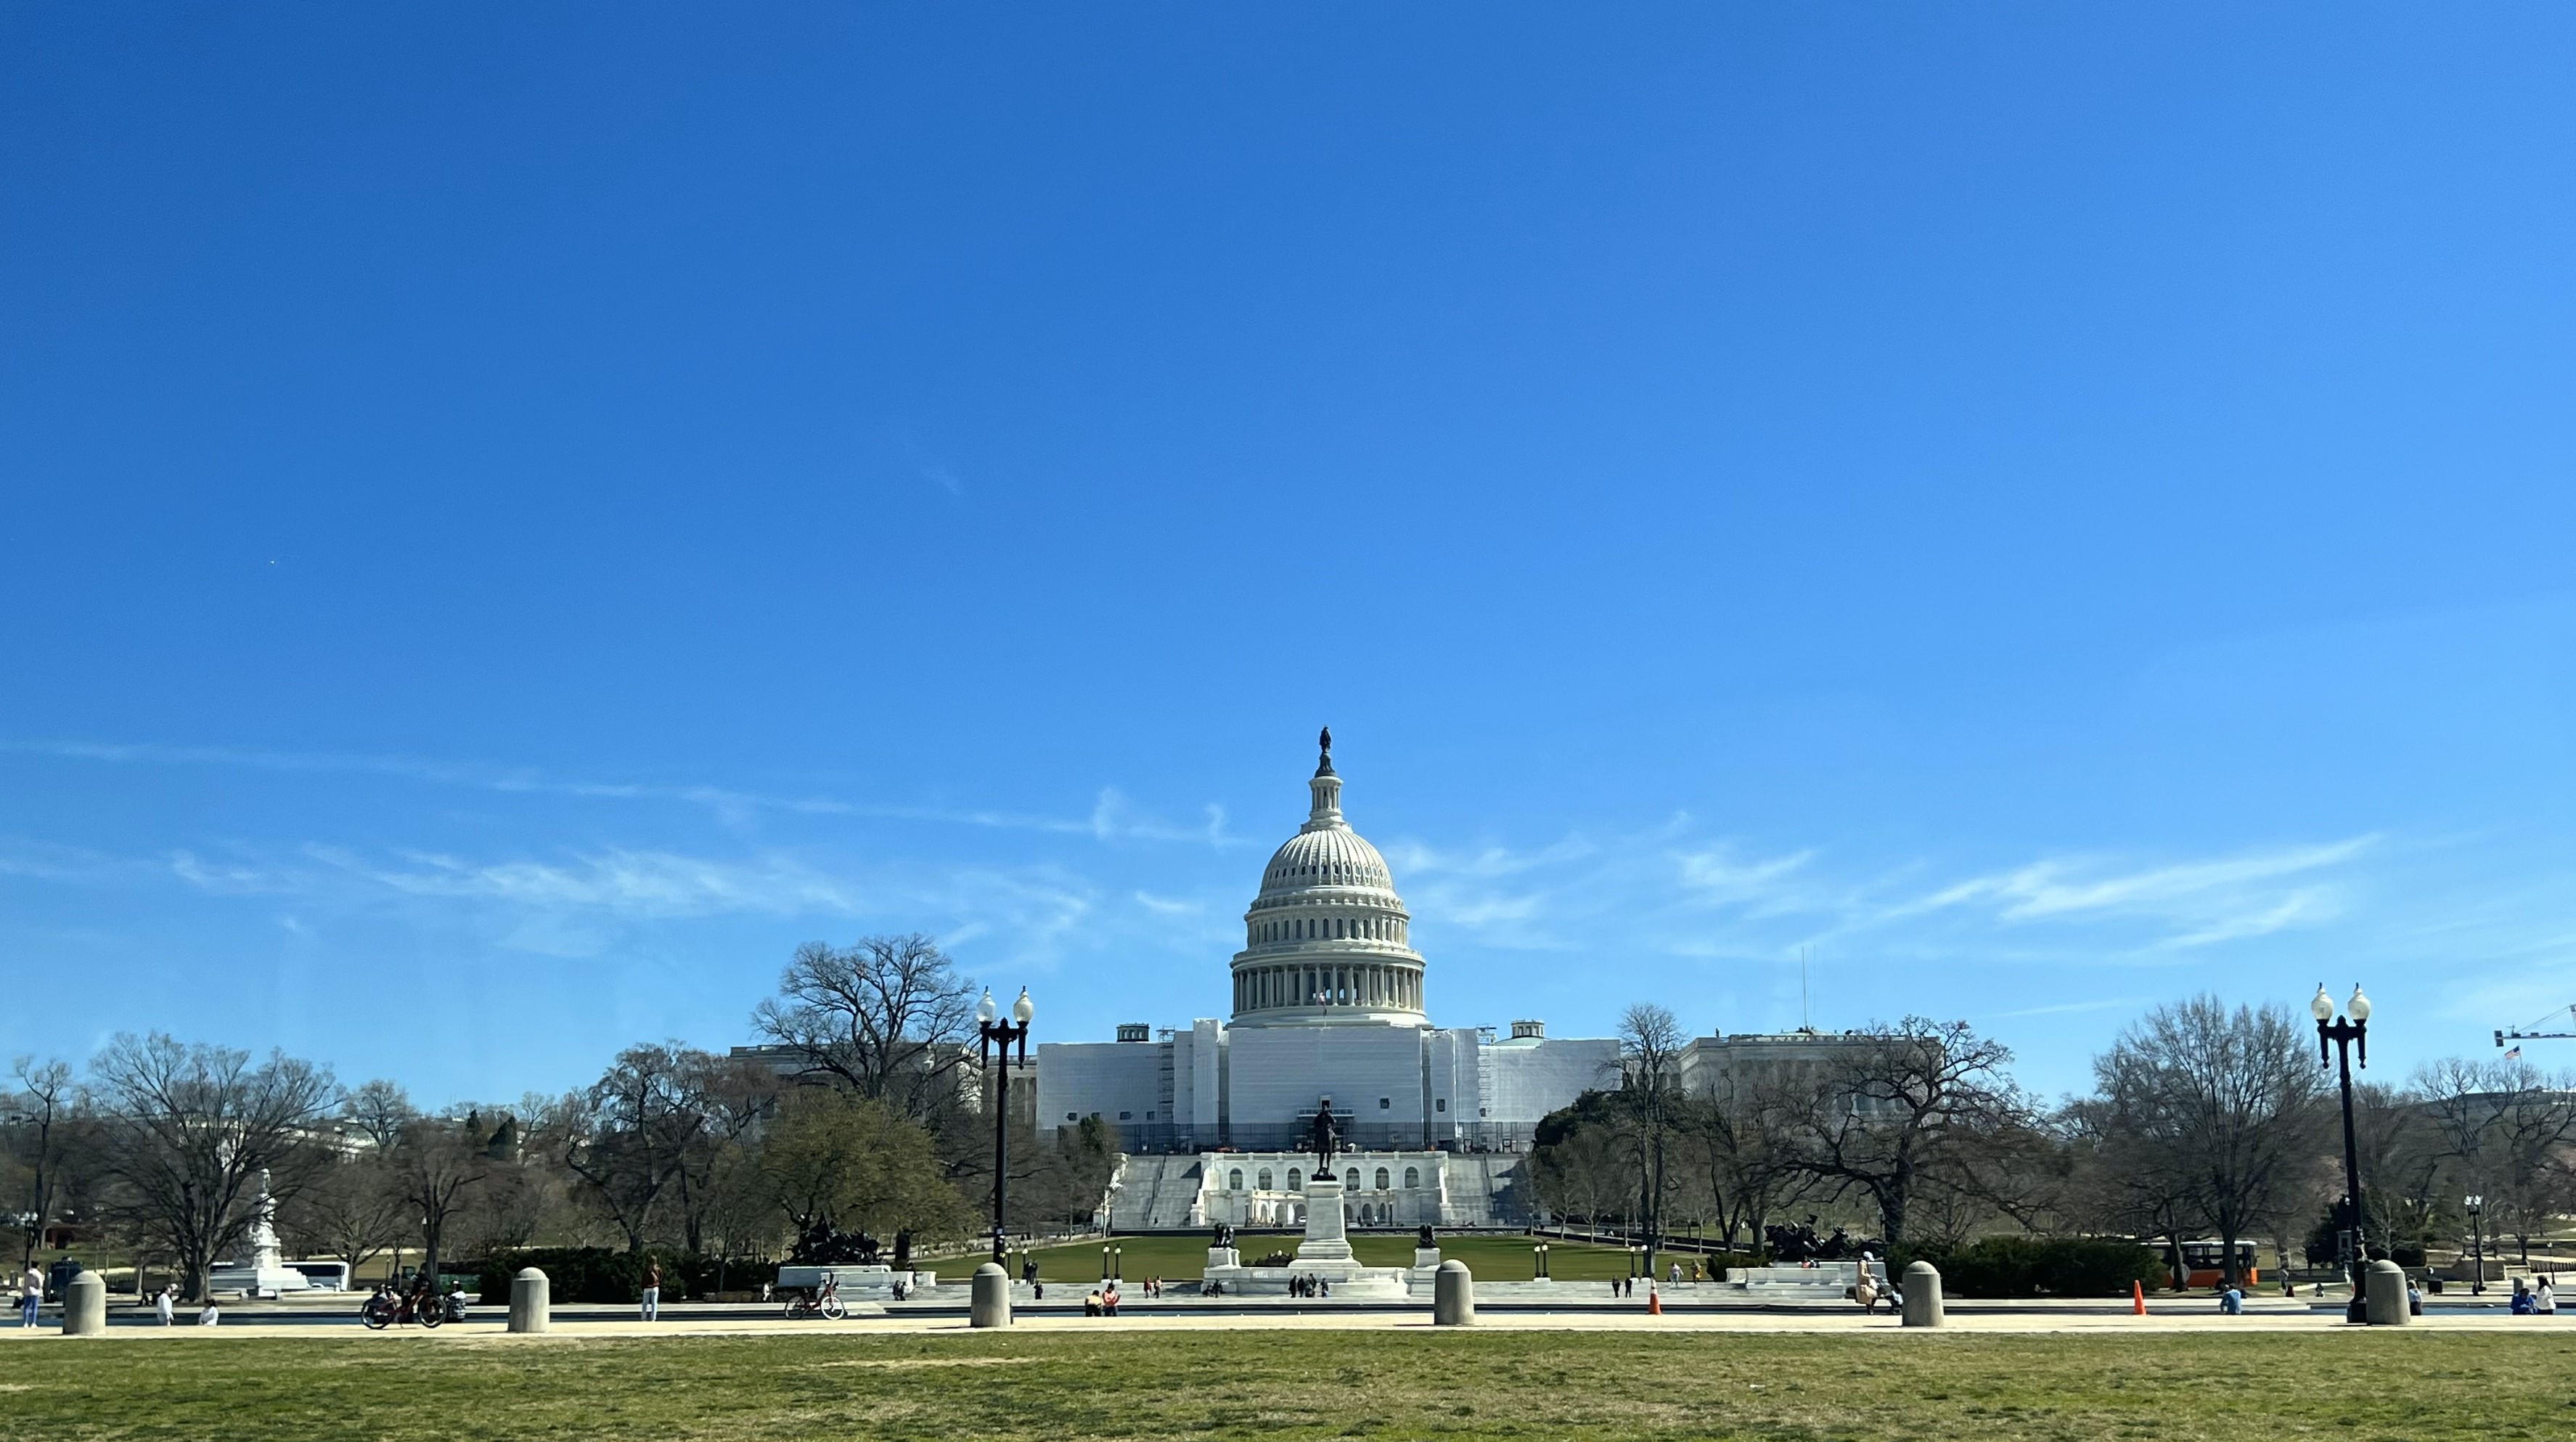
<point x="1325" y="1240"/>
<point x="1323" y="1256"/>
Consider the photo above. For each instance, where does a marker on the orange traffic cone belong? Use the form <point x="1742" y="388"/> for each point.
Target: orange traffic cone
<point x="2137" y="1300"/>
<point x="1654" y="1302"/>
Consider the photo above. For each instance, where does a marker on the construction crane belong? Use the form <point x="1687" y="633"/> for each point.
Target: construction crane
<point x="2517" y="1034"/>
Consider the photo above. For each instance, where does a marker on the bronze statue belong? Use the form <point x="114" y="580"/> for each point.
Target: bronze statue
<point x="1325" y="1141"/>
<point x="1324" y="743"/>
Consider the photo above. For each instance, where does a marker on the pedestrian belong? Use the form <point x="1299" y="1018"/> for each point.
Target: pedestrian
<point x="165" y="1301"/>
<point x="2414" y="1298"/>
<point x="652" y="1290"/>
<point x="2544" y="1298"/>
<point x="1865" y="1292"/>
<point x="1091" y="1303"/>
<point x="1677" y="1272"/>
<point x="2232" y="1301"/>
<point x="1109" y="1301"/>
<point x="2523" y="1304"/>
<point x="211" y="1315"/>
<point x="31" y="1294"/>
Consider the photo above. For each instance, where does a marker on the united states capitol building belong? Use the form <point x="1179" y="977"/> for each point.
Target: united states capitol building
<point x="1329" y="1004"/>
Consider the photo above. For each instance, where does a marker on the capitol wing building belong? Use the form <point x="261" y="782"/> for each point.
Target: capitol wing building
<point x="1329" y="1004"/>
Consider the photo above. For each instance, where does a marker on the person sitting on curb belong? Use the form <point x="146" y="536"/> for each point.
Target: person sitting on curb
<point x="2231" y="1302"/>
<point x="1109" y="1301"/>
<point x="1091" y="1303"/>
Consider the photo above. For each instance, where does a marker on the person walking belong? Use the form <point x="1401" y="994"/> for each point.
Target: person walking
<point x="652" y="1290"/>
<point x="2544" y="1298"/>
<point x="31" y="1295"/>
<point x="1865" y="1292"/>
<point x="166" y="1302"/>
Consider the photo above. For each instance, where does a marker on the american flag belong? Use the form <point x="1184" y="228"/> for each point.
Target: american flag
<point x="2514" y="1055"/>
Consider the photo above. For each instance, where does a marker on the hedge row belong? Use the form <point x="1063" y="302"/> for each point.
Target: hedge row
<point x="600" y="1274"/>
<point x="2045" y="1267"/>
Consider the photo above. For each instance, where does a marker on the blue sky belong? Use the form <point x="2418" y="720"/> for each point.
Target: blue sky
<point x="515" y="519"/>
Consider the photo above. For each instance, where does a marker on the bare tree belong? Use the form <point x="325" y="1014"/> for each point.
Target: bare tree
<point x="1743" y="1161"/>
<point x="722" y="1099"/>
<point x="1650" y="1048"/>
<point x="2505" y="1129"/>
<point x="41" y="1126"/>
<point x="191" y="1128"/>
<point x="379" y="1110"/>
<point x="2228" y="1102"/>
<point x="352" y="1209"/>
<point x="886" y="1018"/>
<point x="622" y="1138"/>
<point x="436" y="1163"/>
<point x="1921" y="1097"/>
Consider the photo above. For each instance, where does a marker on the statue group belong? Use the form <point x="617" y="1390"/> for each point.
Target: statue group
<point x="1793" y="1245"/>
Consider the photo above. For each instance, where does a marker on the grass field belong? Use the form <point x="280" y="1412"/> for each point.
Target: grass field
<point x="2353" y="1387"/>
<point x="1501" y="1259"/>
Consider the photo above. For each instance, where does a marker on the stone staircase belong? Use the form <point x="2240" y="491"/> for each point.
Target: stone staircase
<point x="1155" y="1194"/>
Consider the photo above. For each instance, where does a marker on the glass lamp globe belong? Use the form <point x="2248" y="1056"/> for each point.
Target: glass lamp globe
<point x="2321" y="1006"/>
<point x="2359" y="1007"/>
<point x="1024" y="1008"/>
<point x="984" y="1010"/>
<point x="2474" y="1203"/>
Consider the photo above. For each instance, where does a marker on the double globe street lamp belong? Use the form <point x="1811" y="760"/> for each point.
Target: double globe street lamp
<point x="994" y="1040"/>
<point x="2477" y="1206"/>
<point x="2345" y="1034"/>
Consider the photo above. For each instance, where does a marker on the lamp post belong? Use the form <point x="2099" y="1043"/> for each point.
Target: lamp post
<point x="1538" y="1261"/>
<point x="994" y="1039"/>
<point x="2356" y="1255"/>
<point x="2477" y="1244"/>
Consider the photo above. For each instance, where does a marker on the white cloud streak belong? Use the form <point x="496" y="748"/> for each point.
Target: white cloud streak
<point x="1113" y="818"/>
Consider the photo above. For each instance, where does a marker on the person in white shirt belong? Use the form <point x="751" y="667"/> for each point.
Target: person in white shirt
<point x="162" y="1302"/>
<point x="2544" y="1299"/>
<point x="210" y="1316"/>
<point x="31" y="1295"/>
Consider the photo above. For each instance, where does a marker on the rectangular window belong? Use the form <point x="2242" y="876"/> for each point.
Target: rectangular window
<point x="1441" y="1105"/>
<point x="1122" y="1116"/>
<point x="1385" y="1103"/>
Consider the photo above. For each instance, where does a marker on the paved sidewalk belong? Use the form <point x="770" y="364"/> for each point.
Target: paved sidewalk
<point x="493" y="1333"/>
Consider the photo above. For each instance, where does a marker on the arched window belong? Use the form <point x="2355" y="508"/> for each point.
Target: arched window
<point x="1381" y="1179"/>
<point x="1412" y="1177"/>
<point x="1264" y="1178"/>
<point x="1351" y="1178"/>
<point x="1292" y="1180"/>
<point x="1234" y="1180"/>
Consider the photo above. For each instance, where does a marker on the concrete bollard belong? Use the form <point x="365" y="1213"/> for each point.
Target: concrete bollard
<point x="531" y="1301"/>
<point x="1453" y="1295"/>
<point x="1922" y="1295"/>
<point x="991" y="1306"/>
<point x="85" y="1305"/>
<point x="2385" y="1306"/>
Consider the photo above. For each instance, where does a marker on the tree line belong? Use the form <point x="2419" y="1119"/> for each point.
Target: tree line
<point x="2203" y="1121"/>
<point x="863" y="1111"/>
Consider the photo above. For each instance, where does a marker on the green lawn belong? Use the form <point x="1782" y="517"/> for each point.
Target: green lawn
<point x="1502" y="1259"/>
<point x="2175" y="1387"/>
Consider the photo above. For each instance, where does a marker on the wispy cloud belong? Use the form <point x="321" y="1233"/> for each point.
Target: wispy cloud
<point x="1113" y="818"/>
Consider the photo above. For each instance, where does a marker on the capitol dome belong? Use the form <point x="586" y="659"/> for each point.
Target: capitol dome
<point x="1326" y="940"/>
